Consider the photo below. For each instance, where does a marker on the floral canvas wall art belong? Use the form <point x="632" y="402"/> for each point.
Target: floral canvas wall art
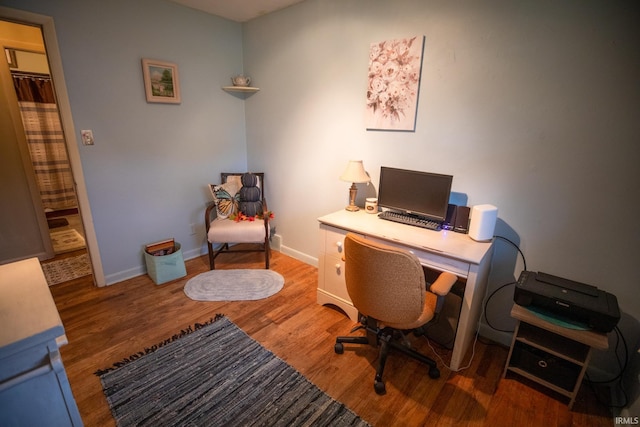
<point x="394" y="81"/>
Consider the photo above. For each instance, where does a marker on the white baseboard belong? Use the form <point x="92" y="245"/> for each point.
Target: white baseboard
<point x="121" y="276"/>
<point x="198" y="252"/>
<point x="141" y="270"/>
<point x="300" y="256"/>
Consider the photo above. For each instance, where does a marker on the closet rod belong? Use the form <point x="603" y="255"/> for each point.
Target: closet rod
<point x="31" y="75"/>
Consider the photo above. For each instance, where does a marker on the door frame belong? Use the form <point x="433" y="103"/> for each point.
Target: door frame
<point x="64" y="107"/>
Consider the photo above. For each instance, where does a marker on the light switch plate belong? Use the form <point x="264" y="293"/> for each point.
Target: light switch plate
<point x="87" y="137"/>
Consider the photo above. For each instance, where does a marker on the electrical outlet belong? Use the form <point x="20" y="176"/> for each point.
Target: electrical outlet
<point x="87" y="137"/>
<point x="194" y="228"/>
<point x="276" y="241"/>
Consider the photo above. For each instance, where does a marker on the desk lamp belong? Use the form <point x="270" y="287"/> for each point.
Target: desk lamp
<point x="354" y="174"/>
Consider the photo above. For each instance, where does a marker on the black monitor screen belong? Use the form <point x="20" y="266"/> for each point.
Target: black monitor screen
<point x="420" y="193"/>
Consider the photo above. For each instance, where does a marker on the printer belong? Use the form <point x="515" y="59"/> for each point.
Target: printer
<point x="565" y="298"/>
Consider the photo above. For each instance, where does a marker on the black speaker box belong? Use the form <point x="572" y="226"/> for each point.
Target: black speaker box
<point x="461" y="224"/>
<point x="450" y="221"/>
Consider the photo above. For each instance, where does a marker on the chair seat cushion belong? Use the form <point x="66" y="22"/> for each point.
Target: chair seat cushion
<point x="230" y="231"/>
<point x="428" y="312"/>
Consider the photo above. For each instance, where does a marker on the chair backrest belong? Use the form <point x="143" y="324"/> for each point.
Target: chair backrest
<point x="384" y="282"/>
<point x="226" y="176"/>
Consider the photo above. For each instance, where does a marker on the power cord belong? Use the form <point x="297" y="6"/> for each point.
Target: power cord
<point x="486" y="304"/>
<point x="618" y="377"/>
<point x="473" y="352"/>
<point x="483" y="314"/>
<point x="473" y="347"/>
<point x="524" y="261"/>
<point x="486" y="318"/>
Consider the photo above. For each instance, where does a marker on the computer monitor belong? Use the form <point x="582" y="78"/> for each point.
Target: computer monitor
<point x="414" y="192"/>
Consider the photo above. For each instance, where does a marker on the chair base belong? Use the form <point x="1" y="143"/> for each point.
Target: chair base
<point x="385" y="339"/>
<point x="213" y="254"/>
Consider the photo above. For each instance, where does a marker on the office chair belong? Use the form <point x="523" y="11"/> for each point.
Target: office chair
<point x="387" y="286"/>
<point x="238" y="193"/>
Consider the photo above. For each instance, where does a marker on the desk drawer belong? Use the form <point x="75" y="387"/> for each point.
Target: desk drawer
<point x="431" y="259"/>
<point x="333" y="240"/>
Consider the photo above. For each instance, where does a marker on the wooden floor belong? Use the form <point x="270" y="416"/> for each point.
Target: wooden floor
<point x="105" y="325"/>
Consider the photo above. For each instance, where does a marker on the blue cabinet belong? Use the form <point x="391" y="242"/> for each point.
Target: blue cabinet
<point x="34" y="389"/>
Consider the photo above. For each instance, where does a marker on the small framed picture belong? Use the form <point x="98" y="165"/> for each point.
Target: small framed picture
<point x="161" y="81"/>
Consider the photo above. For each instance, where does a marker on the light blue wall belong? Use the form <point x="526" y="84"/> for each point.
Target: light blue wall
<point x="532" y="106"/>
<point x="146" y="175"/>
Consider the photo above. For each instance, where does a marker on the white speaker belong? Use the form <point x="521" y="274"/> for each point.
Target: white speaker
<point x="483" y="222"/>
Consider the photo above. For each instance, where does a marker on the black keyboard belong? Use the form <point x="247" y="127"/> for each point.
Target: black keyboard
<point x="409" y="219"/>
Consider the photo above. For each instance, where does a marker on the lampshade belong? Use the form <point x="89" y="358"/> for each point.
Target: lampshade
<point x="355" y="172"/>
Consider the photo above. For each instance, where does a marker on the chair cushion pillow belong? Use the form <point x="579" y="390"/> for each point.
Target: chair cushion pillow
<point x="229" y="231"/>
<point x="226" y="198"/>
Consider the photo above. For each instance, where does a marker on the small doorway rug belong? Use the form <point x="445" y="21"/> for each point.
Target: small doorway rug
<point x="233" y="285"/>
<point x="66" y="241"/>
<point x="216" y="375"/>
<point x="66" y="269"/>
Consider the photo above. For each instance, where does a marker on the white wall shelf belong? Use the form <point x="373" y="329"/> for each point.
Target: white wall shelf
<point x="244" y="89"/>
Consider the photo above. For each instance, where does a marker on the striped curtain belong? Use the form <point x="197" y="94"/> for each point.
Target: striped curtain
<point x="46" y="140"/>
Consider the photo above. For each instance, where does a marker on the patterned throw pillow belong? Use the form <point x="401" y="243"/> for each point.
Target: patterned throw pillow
<point x="226" y="198"/>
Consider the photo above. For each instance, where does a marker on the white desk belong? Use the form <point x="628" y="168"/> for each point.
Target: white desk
<point x="439" y="250"/>
<point x="34" y="389"/>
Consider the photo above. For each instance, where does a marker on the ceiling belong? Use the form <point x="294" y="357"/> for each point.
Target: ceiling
<point x="237" y="10"/>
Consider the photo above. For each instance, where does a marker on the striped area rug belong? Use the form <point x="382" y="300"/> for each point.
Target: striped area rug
<point x="216" y="375"/>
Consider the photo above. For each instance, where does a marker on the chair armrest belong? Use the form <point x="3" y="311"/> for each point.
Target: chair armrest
<point x="443" y="284"/>
<point x="211" y="208"/>
<point x="441" y="288"/>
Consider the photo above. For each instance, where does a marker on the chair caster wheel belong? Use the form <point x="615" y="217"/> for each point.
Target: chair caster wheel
<point x="434" y="373"/>
<point x="379" y="387"/>
<point x="338" y="348"/>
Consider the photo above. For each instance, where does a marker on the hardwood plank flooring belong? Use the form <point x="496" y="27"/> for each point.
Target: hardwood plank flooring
<point x="105" y="325"/>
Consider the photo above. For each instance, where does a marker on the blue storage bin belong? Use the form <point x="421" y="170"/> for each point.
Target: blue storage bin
<point x="165" y="268"/>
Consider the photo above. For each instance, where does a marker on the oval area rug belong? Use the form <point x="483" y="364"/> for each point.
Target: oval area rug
<point x="233" y="285"/>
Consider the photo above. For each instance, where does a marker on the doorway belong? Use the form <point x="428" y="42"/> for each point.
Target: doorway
<point x="76" y="217"/>
<point x="44" y="136"/>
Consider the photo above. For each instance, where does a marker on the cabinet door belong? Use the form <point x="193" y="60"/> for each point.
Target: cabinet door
<point x="23" y="223"/>
<point x="334" y="282"/>
<point x="331" y="273"/>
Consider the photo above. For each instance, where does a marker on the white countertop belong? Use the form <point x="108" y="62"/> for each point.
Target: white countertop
<point x="27" y="308"/>
<point x="446" y="242"/>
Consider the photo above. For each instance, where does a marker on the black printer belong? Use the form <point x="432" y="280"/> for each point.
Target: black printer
<point x="572" y="300"/>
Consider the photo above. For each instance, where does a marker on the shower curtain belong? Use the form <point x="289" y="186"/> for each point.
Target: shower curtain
<point x="45" y="139"/>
